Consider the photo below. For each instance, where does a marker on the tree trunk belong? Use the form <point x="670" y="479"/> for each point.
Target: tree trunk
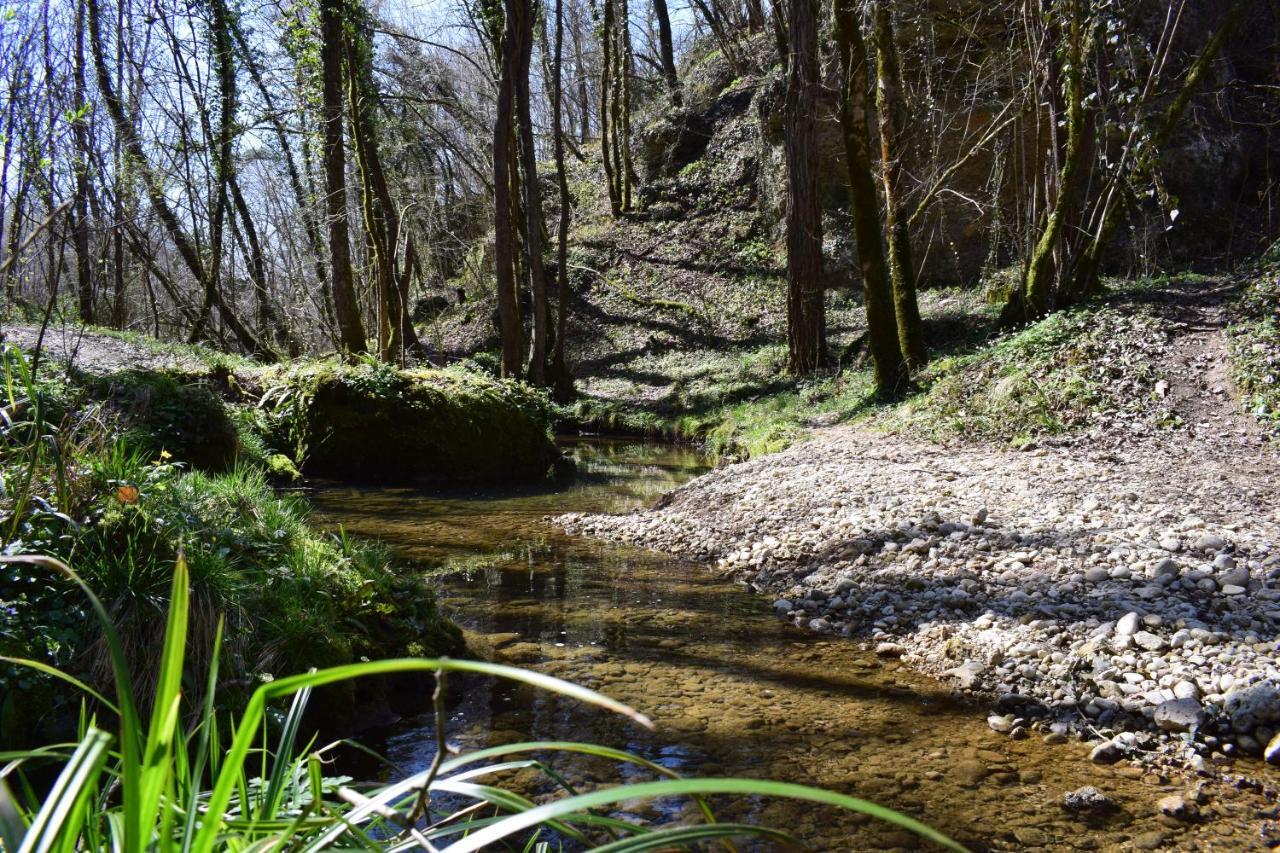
<point x="666" y="53"/>
<point x="608" y="109"/>
<point x="503" y="222"/>
<point x="1038" y="289"/>
<point x="346" y="309"/>
<point x="80" y="138"/>
<point x="534" y="224"/>
<point x="806" y="321"/>
<point x="882" y="337"/>
<point x="891" y="114"/>
<point x="562" y="381"/>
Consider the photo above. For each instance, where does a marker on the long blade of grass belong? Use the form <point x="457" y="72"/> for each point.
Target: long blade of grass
<point x="54" y="822"/>
<point x="12" y="826"/>
<point x="256" y="710"/>
<point x="156" y="764"/>
<point x="407" y="786"/>
<point x="677" y="837"/>
<point x="62" y="676"/>
<point x="130" y="726"/>
<point x="683" y="787"/>
<point x="284" y="753"/>
<point x="208" y="732"/>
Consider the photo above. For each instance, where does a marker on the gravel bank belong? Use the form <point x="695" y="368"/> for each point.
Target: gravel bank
<point x="1115" y="592"/>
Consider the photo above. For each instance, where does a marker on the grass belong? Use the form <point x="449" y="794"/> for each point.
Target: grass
<point x="1255" y="343"/>
<point x="236" y="783"/>
<point x="124" y="510"/>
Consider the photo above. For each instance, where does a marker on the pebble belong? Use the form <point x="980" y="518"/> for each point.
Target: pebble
<point x="1087" y="800"/>
<point x="1178" y="807"/>
<point x="1128" y="623"/>
<point x="1107" y="752"/>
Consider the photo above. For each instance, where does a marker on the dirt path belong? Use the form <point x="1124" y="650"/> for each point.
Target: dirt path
<point x="100" y="352"/>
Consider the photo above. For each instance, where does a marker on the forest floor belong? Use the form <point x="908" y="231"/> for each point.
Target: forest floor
<point x="1116" y="575"/>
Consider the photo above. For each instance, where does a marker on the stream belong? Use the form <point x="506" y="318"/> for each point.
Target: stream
<point x="732" y="689"/>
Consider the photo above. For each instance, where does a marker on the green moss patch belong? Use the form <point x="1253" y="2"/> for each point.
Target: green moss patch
<point x="161" y="412"/>
<point x="1069" y="371"/>
<point x="1255" y="343"/>
<point x="374" y="423"/>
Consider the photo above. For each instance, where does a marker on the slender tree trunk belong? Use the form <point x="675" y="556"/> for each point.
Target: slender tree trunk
<point x="1038" y="289"/>
<point x="891" y="114"/>
<point x="346" y="309"/>
<point x="563" y="382"/>
<point x="80" y="137"/>
<point x="806" y="320"/>
<point x="609" y="110"/>
<point x="504" y="227"/>
<point x="666" y="53"/>
<point x="627" y="72"/>
<point x="890" y="366"/>
<point x="534" y="225"/>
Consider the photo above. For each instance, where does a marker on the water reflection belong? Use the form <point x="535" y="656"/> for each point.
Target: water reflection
<point x="734" y="691"/>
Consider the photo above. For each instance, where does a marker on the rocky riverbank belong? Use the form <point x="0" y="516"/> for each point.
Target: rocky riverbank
<point x="1130" y="596"/>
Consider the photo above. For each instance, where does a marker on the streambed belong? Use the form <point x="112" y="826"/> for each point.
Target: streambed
<point x="733" y="690"/>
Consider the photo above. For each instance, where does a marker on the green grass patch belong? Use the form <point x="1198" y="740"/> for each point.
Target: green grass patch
<point x="1255" y="343"/>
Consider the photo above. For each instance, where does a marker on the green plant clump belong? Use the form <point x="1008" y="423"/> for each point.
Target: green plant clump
<point x="375" y="423"/>
<point x="1049" y="378"/>
<point x="294" y="597"/>
<point x="1255" y="343"/>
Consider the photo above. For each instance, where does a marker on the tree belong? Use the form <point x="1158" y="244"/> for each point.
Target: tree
<point x="562" y="380"/>
<point x="534" y="224"/>
<point x="882" y="337"/>
<point x="806" y="319"/>
<point x="345" y="308"/>
<point x="891" y="113"/>
<point x="666" y="53"/>
<point x="504" y="254"/>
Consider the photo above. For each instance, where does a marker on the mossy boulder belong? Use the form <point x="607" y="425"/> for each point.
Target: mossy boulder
<point x="172" y="413"/>
<point x="374" y="423"/>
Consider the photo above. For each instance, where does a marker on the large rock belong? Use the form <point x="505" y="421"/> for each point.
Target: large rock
<point x="381" y="425"/>
<point x="1179" y="715"/>
<point x="1253" y="706"/>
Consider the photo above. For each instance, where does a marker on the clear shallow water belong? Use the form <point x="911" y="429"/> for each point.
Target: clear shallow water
<point x="733" y="690"/>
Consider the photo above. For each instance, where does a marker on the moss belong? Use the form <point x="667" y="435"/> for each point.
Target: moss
<point x="1255" y="343"/>
<point x="168" y="413"/>
<point x="374" y="423"/>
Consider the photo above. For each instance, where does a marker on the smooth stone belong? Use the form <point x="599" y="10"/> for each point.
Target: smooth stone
<point x="890" y="650"/>
<point x="1272" y="752"/>
<point x="1210" y="542"/>
<point x="1128" y="624"/>
<point x="1107" y="752"/>
<point x="1179" y="715"/>
<point x="1149" y="641"/>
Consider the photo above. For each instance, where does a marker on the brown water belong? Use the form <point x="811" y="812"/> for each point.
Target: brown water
<point x="733" y="690"/>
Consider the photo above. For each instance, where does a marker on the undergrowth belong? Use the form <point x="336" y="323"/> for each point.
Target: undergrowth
<point x="1255" y="343"/>
<point x="74" y="485"/>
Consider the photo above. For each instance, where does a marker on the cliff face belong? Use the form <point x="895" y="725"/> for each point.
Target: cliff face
<point x="1217" y="171"/>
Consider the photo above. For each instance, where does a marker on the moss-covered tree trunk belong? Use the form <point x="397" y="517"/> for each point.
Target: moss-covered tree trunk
<point x="562" y="380"/>
<point x="806" y="319"/>
<point x="346" y="309"/>
<point x="534" y="225"/>
<point x="891" y="114"/>
<point x="608" y="109"/>
<point x="504" y="225"/>
<point x="882" y="330"/>
<point x="1038" y="294"/>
